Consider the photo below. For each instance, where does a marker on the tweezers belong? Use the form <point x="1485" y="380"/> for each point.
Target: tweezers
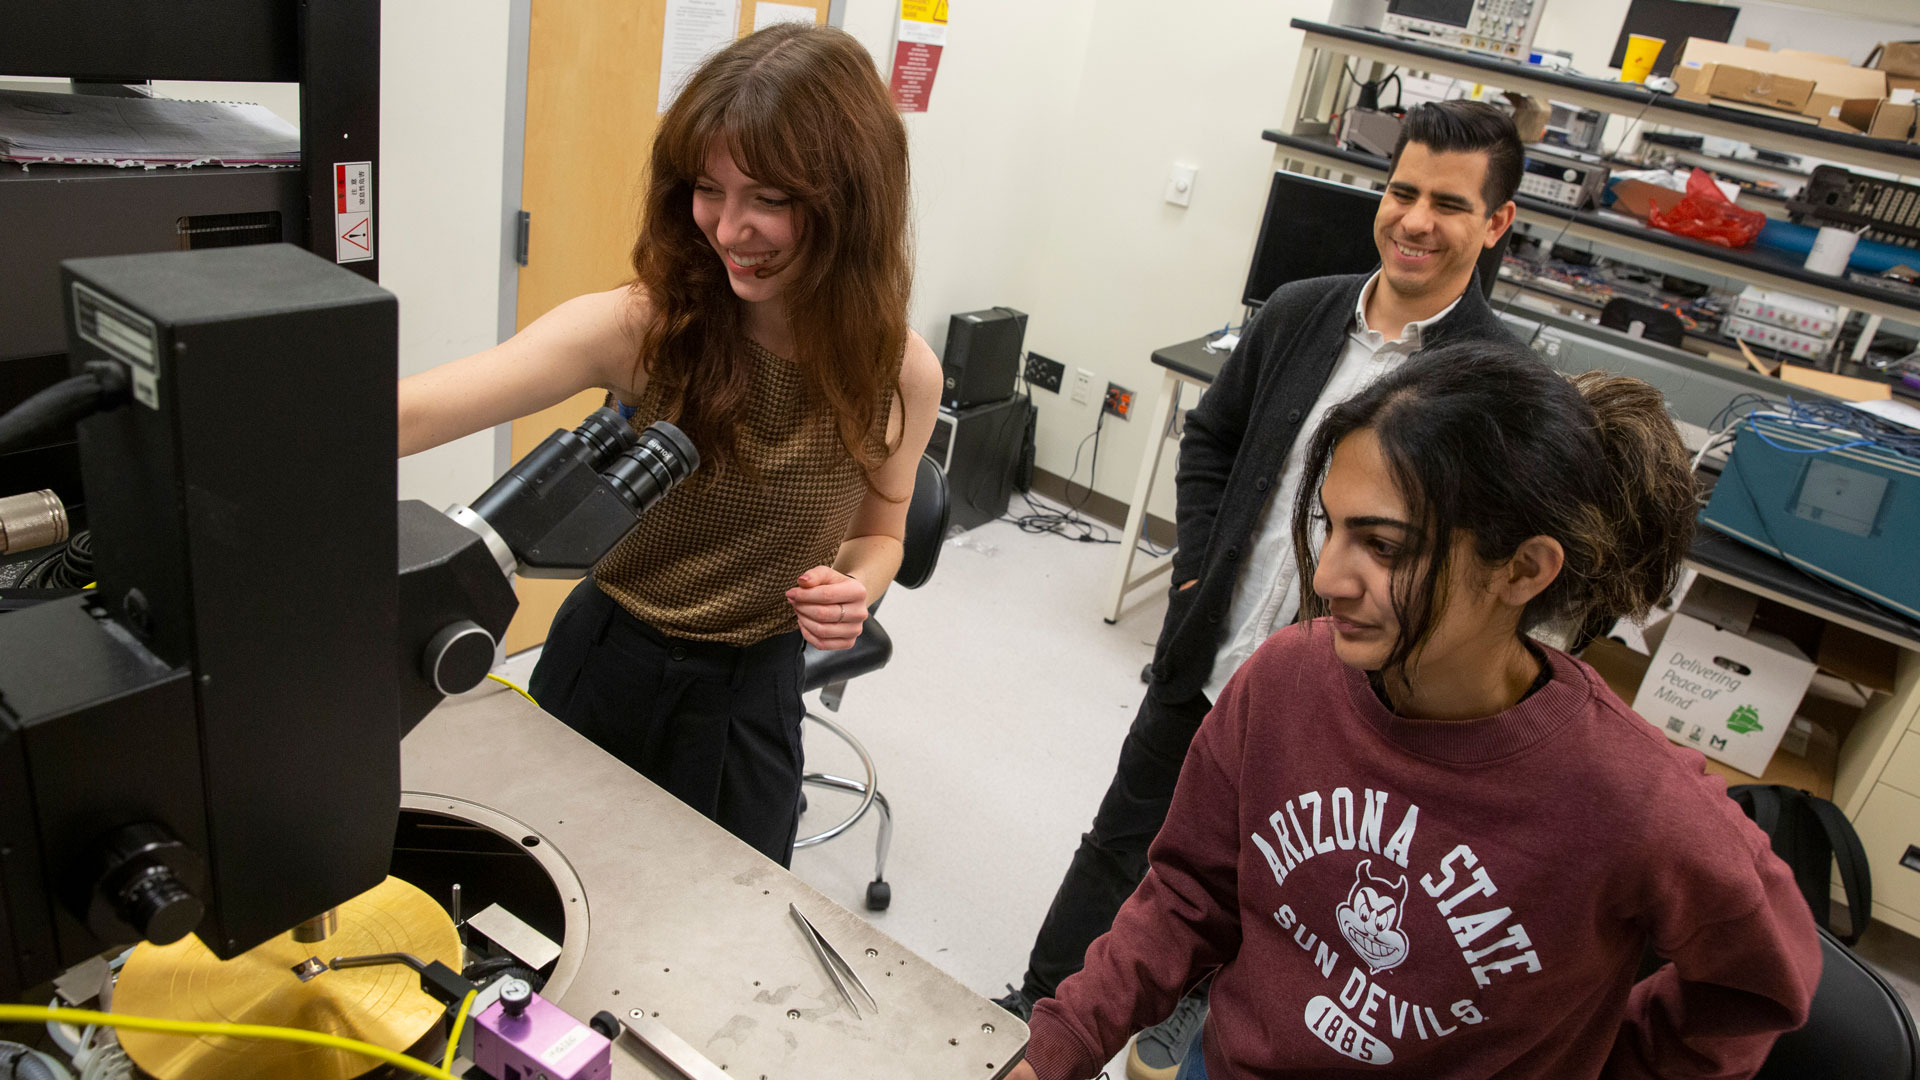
<point x="835" y="964"/>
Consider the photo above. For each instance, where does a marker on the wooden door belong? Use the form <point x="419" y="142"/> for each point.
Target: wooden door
<point x="593" y="82"/>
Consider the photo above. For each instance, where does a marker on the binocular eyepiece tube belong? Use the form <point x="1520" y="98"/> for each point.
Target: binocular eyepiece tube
<point x="558" y="510"/>
<point x="662" y="457"/>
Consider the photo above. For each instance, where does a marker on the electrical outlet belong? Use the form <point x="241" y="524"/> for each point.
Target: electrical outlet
<point x="1119" y="401"/>
<point x="1082" y="384"/>
<point x="1044" y="373"/>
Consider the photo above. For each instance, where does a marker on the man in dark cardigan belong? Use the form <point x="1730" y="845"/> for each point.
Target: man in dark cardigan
<point x="1313" y="344"/>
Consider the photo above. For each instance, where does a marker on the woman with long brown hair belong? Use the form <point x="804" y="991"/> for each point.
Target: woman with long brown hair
<point x="767" y="318"/>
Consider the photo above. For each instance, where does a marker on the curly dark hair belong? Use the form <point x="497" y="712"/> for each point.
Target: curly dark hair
<point x="1485" y="440"/>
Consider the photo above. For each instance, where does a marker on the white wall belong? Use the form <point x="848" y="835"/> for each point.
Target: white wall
<point x="1117" y="271"/>
<point x="1038" y="179"/>
<point x="442" y="109"/>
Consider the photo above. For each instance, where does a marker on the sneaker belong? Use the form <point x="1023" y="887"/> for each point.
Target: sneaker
<point x="1017" y="1003"/>
<point x="1157" y="1052"/>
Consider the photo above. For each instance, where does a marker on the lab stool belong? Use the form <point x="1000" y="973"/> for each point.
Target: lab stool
<point x="829" y="672"/>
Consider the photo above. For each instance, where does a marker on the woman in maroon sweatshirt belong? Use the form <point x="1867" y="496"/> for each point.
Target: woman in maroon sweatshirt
<point x="1410" y="841"/>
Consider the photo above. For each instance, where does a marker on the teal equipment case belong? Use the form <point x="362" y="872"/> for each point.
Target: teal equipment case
<point x="1827" y="501"/>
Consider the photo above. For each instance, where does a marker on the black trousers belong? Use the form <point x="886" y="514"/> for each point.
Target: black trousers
<point x="717" y="726"/>
<point x="1112" y="857"/>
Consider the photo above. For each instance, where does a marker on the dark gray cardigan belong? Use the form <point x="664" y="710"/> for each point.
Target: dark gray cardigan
<point x="1236" y="442"/>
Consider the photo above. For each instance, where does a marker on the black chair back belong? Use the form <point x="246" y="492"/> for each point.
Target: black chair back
<point x="1859" y="1026"/>
<point x="1656" y="323"/>
<point x="926" y="530"/>
<point x="926" y="526"/>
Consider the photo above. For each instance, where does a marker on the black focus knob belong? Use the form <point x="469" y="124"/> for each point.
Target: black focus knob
<point x="514" y="996"/>
<point x="458" y="657"/>
<point x="158" y="905"/>
<point x="607" y="1024"/>
<point x="145" y="884"/>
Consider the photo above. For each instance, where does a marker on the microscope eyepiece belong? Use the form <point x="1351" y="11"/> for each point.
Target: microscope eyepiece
<point x="607" y="435"/>
<point x="561" y="508"/>
<point x="645" y="473"/>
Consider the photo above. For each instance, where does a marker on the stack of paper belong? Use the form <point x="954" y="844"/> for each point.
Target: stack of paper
<point x="83" y="129"/>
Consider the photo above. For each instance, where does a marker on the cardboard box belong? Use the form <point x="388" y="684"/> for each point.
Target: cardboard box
<point x="1818" y="58"/>
<point x="1858" y="658"/>
<point x="1825" y="110"/>
<point x="1637" y="197"/>
<point x="1624" y="670"/>
<point x="1844" y="387"/>
<point x="1690" y="83"/>
<point x="1727" y="607"/>
<point x="1899" y="58"/>
<point x="1879" y="118"/>
<point x="1728" y="696"/>
<point x="1809" y="84"/>
<point x="1759" y="87"/>
<point x="1621" y="667"/>
<point x="1828" y="77"/>
<point x="1811" y="771"/>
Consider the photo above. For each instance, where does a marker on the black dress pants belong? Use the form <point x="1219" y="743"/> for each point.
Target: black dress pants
<point x="717" y="726"/>
<point x="1112" y="857"/>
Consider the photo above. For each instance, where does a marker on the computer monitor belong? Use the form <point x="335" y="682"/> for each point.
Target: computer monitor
<point x="1673" y="21"/>
<point x="1316" y="227"/>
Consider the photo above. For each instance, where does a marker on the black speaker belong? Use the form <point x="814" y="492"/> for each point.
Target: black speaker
<point x="982" y="361"/>
<point x="981" y="450"/>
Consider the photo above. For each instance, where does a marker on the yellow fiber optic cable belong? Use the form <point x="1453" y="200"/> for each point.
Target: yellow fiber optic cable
<point x="40" y="1014"/>
<point x="459" y="1021"/>
<point x="504" y="681"/>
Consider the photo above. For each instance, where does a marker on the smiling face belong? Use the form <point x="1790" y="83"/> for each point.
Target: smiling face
<point x="1433" y="222"/>
<point x="752" y="226"/>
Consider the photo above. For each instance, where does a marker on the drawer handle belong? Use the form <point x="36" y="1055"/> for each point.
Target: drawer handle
<point x="1911" y="860"/>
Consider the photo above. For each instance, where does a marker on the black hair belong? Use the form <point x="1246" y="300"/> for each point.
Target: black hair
<point x="1483" y="438"/>
<point x="1461" y="126"/>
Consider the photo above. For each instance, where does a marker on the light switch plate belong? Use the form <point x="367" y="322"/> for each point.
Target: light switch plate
<point x="1180" y="184"/>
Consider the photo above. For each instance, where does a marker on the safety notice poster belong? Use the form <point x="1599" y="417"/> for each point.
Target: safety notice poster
<point x="916" y="54"/>
<point x="694" y="30"/>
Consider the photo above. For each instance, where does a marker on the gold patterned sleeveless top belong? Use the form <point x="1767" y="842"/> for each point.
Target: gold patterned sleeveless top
<point x="713" y="560"/>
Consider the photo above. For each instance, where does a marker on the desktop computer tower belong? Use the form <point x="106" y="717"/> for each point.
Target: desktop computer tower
<point x="982" y="361"/>
<point x="983" y="451"/>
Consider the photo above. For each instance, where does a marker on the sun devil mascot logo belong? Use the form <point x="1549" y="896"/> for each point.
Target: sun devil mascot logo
<point x="1370" y="919"/>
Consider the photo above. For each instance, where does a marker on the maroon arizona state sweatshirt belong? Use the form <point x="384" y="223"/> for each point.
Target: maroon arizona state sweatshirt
<point x="1444" y="899"/>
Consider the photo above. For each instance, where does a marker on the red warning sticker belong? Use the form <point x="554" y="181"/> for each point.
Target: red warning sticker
<point x="353" y="211"/>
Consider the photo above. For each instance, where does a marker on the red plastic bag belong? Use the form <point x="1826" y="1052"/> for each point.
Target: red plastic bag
<point x="1704" y="213"/>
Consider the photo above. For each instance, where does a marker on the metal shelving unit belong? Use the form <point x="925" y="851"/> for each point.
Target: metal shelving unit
<point x="1306" y="143"/>
<point x="1606" y="96"/>
<point x="53" y="212"/>
<point x="1758" y="265"/>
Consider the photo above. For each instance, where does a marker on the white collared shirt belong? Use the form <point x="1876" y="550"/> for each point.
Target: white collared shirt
<point x="1267" y="593"/>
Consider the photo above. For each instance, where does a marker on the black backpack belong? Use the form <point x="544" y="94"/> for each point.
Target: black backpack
<point x="1810" y="834"/>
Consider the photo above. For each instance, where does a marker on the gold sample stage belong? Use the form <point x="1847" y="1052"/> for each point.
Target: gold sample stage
<point x="383" y="1005"/>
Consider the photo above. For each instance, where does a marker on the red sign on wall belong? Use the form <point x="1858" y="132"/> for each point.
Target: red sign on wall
<point x="914" y="66"/>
